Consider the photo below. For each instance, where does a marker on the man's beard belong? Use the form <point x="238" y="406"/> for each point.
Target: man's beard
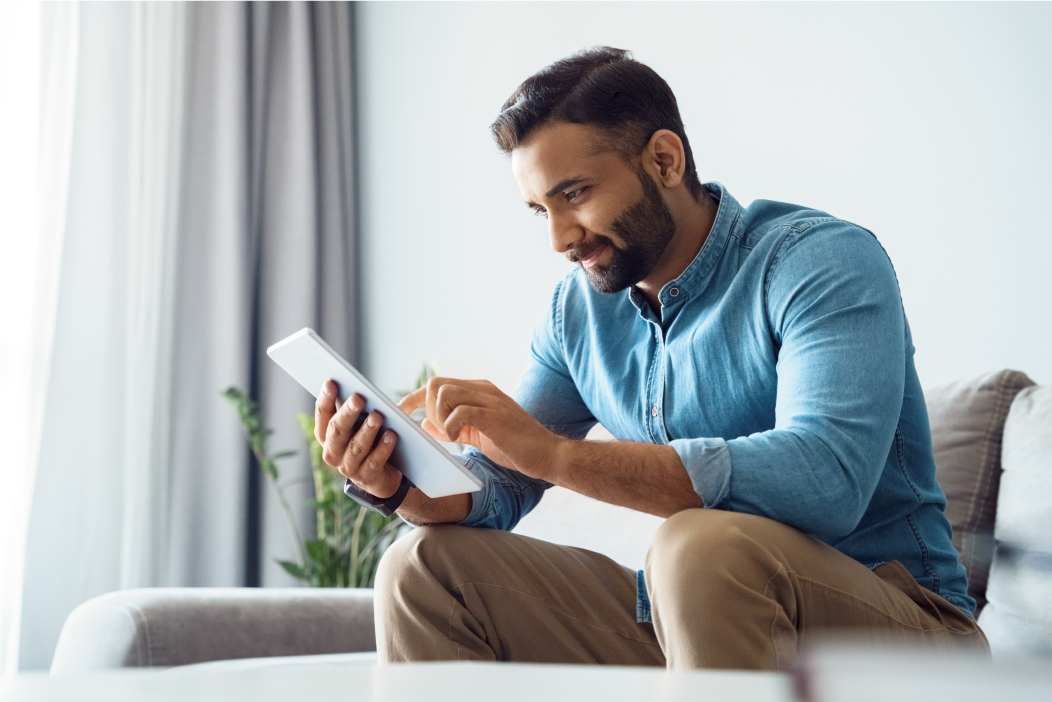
<point x="646" y="228"/>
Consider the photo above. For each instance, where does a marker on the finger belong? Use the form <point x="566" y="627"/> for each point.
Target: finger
<point x="361" y="444"/>
<point x="435" y="433"/>
<point x="466" y="422"/>
<point x="372" y="471"/>
<point x="324" y="409"/>
<point x="340" y="430"/>
<point x="414" y="400"/>
<point x="450" y="396"/>
<point x="433" y="387"/>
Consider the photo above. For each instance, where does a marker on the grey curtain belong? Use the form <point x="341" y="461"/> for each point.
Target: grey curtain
<point x="267" y="247"/>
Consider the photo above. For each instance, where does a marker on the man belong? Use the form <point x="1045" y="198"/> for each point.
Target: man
<point x="757" y="367"/>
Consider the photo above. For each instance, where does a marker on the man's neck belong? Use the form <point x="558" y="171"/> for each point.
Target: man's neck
<point x="693" y="223"/>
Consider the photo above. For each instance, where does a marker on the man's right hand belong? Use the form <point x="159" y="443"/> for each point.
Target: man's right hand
<point x="351" y="452"/>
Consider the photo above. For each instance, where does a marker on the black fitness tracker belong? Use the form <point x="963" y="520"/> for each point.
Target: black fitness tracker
<point x="383" y="505"/>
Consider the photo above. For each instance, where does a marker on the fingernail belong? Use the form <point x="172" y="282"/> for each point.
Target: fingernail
<point x="389" y="437"/>
<point x="325" y="389"/>
<point x="357" y="402"/>
<point x="374" y="419"/>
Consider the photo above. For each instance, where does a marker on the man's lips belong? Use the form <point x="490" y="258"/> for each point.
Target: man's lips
<point x="593" y="257"/>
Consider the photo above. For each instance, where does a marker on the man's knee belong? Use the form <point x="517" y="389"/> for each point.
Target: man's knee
<point x="421" y="556"/>
<point x="405" y="556"/>
<point x="696" y="535"/>
<point x="705" y="545"/>
<point x="399" y="558"/>
<point x="412" y="592"/>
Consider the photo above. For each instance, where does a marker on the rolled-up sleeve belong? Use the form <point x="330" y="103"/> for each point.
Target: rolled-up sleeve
<point x="835" y="315"/>
<point x="506" y="496"/>
<point x="708" y="464"/>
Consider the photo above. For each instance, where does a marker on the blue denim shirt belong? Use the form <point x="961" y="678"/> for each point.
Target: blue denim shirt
<point x="780" y="369"/>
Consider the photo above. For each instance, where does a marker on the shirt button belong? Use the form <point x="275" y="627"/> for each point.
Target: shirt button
<point x="654" y="411"/>
<point x="673" y="292"/>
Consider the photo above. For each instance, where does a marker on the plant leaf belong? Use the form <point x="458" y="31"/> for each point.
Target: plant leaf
<point x="269" y="468"/>
<point x="293" y="569"/>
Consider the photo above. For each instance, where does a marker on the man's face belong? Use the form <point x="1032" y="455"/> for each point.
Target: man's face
<point x="601" y="212"/>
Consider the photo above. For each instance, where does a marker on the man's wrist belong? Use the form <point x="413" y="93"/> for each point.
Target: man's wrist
<point x="384" y="505"/>
<point x="384" y="488"/>
<point x="563" y="455"/>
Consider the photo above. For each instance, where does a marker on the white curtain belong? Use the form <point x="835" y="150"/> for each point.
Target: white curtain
<point x="38" y="46"/>
<point x="157" y="92"/>
<point x="99" y="514"/>
<point x="209" y="213"/>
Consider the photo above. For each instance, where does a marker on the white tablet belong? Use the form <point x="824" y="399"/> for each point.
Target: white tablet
<point x="423" y="460"/>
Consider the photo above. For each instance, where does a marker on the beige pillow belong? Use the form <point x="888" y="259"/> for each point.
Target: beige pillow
<point x="967" y="420"/>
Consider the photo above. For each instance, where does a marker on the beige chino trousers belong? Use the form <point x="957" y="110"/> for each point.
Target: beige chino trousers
<point x="727" y="590"/>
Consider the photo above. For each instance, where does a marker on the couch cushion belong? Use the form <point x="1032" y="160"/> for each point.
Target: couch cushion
<point x="161" y="627"/>
<point x="1018" y="618"/>
<point x="967" y="419"/>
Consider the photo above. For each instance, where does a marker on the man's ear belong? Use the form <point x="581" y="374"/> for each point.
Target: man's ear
<point x="665" y="158"/>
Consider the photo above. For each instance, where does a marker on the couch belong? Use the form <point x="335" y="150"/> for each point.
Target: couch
<point x="992" y="437"/>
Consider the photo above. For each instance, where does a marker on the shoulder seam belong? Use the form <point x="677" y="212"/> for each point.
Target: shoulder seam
<point x="782" y="248"/>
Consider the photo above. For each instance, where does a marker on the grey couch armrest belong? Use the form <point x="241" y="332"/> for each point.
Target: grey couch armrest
<point x="178" y="626"/>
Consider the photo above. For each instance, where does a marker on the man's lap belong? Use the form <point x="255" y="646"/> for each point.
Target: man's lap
<point x="525" y="599"/>
<point x="503" y="596"/>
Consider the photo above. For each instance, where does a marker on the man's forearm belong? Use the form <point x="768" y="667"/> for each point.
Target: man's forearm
<point x="418" y="508"/>
<point x="643" y="477"/>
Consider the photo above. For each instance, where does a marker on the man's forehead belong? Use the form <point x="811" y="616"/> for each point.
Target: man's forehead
<point x="555" y="152"/>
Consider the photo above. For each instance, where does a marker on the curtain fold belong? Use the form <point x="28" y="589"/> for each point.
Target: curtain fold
<point x="210" y="213"/>
<point x="157" y="92"/>
<point x="97" y="520"/>
<point x="34" y="156"/>
<point x="267" y="248"/>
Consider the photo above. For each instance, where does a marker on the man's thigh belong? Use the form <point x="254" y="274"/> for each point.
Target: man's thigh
<point x="491" y="595"/>
<point x="818" y="590"/>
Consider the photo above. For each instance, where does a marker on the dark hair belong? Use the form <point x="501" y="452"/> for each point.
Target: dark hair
<point x="601" y="86"/>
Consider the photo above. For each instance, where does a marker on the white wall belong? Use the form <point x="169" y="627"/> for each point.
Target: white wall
<point x="929" y="124"/>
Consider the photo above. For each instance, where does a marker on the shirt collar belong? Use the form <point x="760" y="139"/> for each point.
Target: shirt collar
<point x="693" y="280"/>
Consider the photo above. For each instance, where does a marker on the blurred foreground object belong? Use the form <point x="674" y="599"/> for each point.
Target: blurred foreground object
<point x="842" y="670"/>
<point x="1018" y="618"/>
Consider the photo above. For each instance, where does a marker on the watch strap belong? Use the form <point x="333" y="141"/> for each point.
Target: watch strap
<point x="385" y="506"/>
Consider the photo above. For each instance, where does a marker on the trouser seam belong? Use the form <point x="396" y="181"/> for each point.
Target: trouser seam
<point x="453" y="608"/>
<point x="774" y="615"/>
<point x="857" y="600"/>
<point x="545" y="604"/>
<point x="870" y="606"/>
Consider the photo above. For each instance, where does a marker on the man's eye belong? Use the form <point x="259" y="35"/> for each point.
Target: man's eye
<point x="574" y="194"/>
<point x="540" y="212"/>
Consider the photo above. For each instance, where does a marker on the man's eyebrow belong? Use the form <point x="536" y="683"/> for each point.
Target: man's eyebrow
<point x="559" y="187"/>
<point x="564" y="185"/>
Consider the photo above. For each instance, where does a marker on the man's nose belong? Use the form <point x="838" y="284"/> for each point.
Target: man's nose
<point x="563" y="232"/>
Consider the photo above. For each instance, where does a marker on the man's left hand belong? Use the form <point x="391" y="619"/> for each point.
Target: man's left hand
<point x="475" y="412"/>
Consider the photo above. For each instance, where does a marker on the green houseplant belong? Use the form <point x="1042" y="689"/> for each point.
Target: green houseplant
<point x="349" y="539"/>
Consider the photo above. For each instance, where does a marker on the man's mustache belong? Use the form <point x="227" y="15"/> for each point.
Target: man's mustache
<point x="578" y="254"/>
